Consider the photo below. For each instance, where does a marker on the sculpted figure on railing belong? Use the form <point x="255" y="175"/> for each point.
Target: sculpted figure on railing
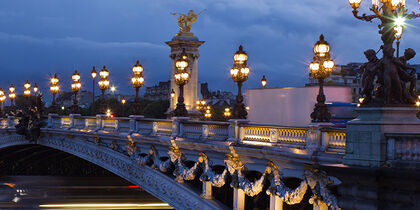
<point x="277" y="187"/>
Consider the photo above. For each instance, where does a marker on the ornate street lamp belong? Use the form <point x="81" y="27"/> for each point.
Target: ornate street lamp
<point x="54" y="89"/>
<point x="263" y="81"/>
<point x="75" y="87"/>
<point x="227" y="113"/>
<point x="181" y="78"/>
<point x="321" y="68"/>
<point x="35" y="88"/>
<point x="93" y="74"/>
<point x="2" y="99"/>
<point x="207" y="113"/>
<point x="27" y="91"/>
<point x="200" y="105"/>
<point x="12" y="95"/>
<point x="103" y="86"/>
<point x="123" y="101"/>
<point x="398" y="33"/>
<point x="392" y="15"/>
<point x="239" y="73"/>
<point x="172" y="93"/>
<point x="137" y="82"/>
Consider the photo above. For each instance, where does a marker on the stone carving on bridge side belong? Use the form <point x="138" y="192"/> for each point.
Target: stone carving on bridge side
<point x="160" y="163"/>
<point x="157" y="184"/>
<point x="316" y="179"/>
<point x="277" y="187"/>
<point x="217" y="180"/>
<point x="318" y="182"/>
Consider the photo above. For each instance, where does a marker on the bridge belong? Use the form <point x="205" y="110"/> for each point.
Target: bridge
<point x="221" y="165"/>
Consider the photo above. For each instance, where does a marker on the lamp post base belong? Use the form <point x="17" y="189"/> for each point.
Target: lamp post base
<point x="180" y="110"/>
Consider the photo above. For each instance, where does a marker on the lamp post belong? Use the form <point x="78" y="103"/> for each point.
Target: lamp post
<point x="12" y="96"/>
<point x="27" y="91"/>
<point x="321" y="68"/>
<point x="2" y="99"/>
<point x="103" y="86"/>
<point x="93" y="74"/>
<point x="137" y="82"/>
<point x="239" y="73"/>
<point x="123" y="101"/>
<point x="263" y="81"/>
<point x="398" y="33"/>
<point x="75" y="87"/>
<point x="181" y="78"/>
<point x="54" y="89"/>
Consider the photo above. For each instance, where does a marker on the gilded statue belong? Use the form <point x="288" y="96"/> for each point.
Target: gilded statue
<point x="186" y="20"/>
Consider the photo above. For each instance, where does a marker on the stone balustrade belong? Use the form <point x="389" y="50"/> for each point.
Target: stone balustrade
<point x="331" y="140"/>
<point x="403" y="149"/>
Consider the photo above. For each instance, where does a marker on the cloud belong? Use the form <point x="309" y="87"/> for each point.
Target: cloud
<point x="78" y="42"/>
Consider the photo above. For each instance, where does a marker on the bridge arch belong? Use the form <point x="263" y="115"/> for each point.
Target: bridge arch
<point x="157" y="184"/>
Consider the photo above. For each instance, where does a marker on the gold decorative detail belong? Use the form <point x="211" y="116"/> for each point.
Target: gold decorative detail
<point x="185" y="21"/>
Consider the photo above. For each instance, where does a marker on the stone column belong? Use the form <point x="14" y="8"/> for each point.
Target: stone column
<point x="276" y="203"/>
<point x="190" y="43"/>
<point x="238" y="199"/>
<point x="207" y="190"/>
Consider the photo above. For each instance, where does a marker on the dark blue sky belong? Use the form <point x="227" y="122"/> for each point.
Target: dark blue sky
<point x="42" y="37"/>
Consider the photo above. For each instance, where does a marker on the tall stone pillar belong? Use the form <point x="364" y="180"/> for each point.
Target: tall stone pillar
<point x="190" y="43"/>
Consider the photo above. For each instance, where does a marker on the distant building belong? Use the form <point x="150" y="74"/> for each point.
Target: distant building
<point x="158" y="92"/>
<point x="344" y="75"/>
<point x="66" y="98"/>
<point x="216" y="98"/>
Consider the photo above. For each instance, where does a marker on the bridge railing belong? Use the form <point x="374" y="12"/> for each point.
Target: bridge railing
<point x="330" y="140"/>
<point x="403" y="147"/>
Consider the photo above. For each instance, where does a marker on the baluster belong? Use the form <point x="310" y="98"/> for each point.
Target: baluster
<point x="155" y="128"/>
<point x="205" y="131"/>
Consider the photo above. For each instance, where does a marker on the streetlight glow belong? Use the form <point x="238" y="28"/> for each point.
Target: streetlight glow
<point x="399" y="21"/>
<point x="263" y="81"/>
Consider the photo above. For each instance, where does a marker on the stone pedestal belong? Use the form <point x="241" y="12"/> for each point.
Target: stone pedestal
<point x="133" y="122"/>
<point x="365" y="136"/>
<point x="313" y="142"/>
<point x="190" y="43"/>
